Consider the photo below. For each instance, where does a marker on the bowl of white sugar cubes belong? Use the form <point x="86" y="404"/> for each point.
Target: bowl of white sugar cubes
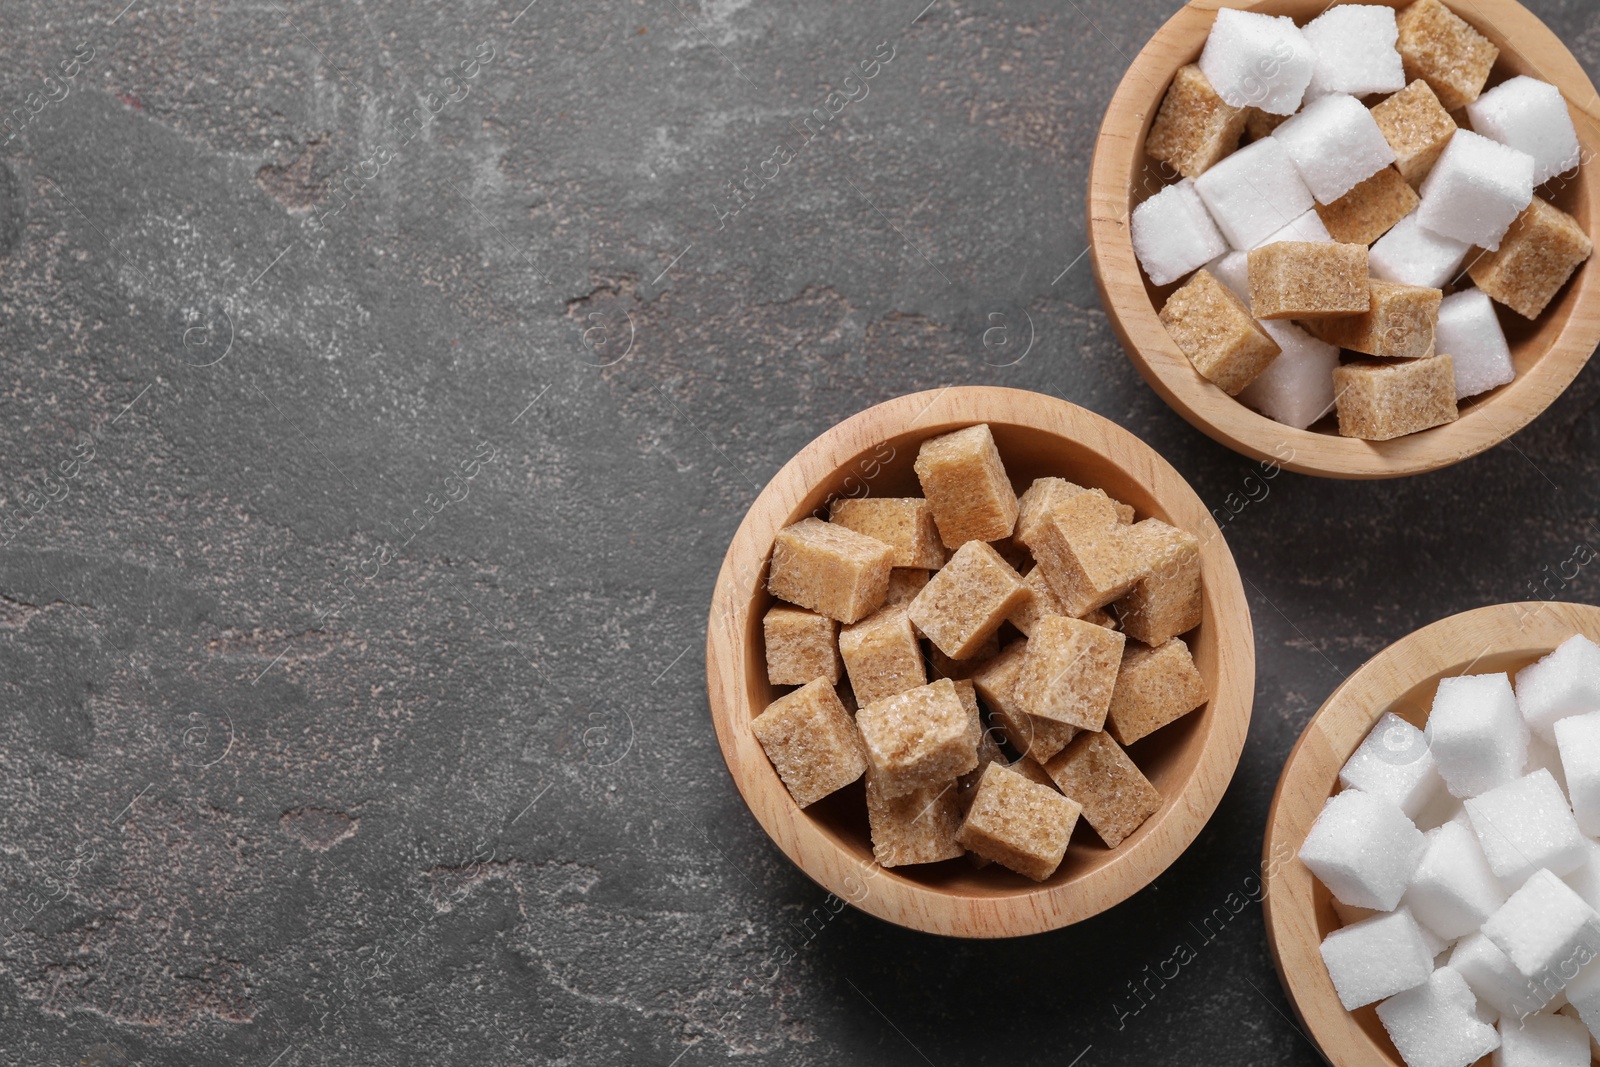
<point x="1351" y="239"/>
<point x="1433" y="898"/>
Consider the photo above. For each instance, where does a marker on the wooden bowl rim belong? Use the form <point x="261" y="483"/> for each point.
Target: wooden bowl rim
<point x="1489" y="421"/>
<point x="884" y="892"/>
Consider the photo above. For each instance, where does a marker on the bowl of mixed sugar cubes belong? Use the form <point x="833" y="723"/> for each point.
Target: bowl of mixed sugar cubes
<point x="1361" y="222"/>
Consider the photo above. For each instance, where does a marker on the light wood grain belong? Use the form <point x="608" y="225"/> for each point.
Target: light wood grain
<point x="1190" y="761"/>
<point x="1402" y="678"/>
<point x="1548" y="353"/>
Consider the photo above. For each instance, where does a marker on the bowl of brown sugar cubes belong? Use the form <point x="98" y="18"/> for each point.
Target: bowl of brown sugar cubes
<point x="980" y="662"/>
<point x="1351" y="238"/>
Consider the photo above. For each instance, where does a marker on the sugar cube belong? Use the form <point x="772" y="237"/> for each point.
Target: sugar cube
<point x="1530" y="115"/>
<point x="915" y="827"/>
<point x="1399" y="324"/>
<point x="1116" y="798"/>
<point x="1526" y="824"/>
<point x="1476" y="190"/>
<point x="1394" y="762"/>
<point x="1070" y="671"/>
<point x="1439" y="46"/>
<point x="1038" y="500"/>
<point x="1535" y="258"/>
<point x="1493" y="976"/>
<point x="1379" y="401"/>
<point x="1583" y="993"/>
<point x="1086" y="554"/>
<point x="1542" y="1041"/>
<point x="1232" y="269"/>
<point x="1195" y="127"/>
<point x="1173" y="233"/>
<point x="1414" y="255"/>
<point x="882" y="655"/>
<point x="1165" y="600"/>
<point x="1335" y="144"/>
<point x="801" y="645"/>
<point x="965" y="602"/>
<point x="1307" y="227"/>
<point x="1364" y="849"/>
<point x="1354" y="49"/>
<point x="1453" y="890"/>
<point x="1476" y="734"/>
<point x="1585" y="881"/>
<point x="966" y="484"/>
<point x="904" y="584"/>
<point x="1434" y="1024"/>
<point x="921" y="737"/>
<point x="1218" y="333"/>
<point x="1155" y="686"/>
<point x="1377" y="958"/>
<point x="996" y="682"/>
<point x="1371" y="209"/>
<point x="1254" y="193"/>
<point x="1578" y="738"/>
<point x="1256" y="60"/>
<point x="1469" y="331"/>
<point x="830" y="569"/>
<point x="1039" y="600"/>
<point x="1546" y="930"/>
<point x="1307" y="279"/>
<point x="905" y="524"/>
<point x="1296" y="389"/>
<point x="1018" y="823"/>
<point x="1417" y="128"/>
<point x="1566" y="682"/>
<point x="813" y="745"/>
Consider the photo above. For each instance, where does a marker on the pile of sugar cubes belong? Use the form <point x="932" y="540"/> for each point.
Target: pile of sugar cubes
<point x="1052" y="626"/>
<point x="1341" y="226"/>
<point x="1464" y="862"/>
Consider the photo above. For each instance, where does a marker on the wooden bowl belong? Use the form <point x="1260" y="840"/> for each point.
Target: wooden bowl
<point x="1402" y="679"/>
<point x="1190" y="761"/>
<point x="1548" y="353"/>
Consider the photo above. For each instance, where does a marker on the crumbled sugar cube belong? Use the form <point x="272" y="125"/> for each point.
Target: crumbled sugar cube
<point x="1495" y="979"/>
<point x="1155" y="686"/>
<point x="1453" y="890"/>
<point x="915" y="827"/>
<point x="1039" y="602"/>
<point x="1469" y="331"/>
<point x="1547" y="931"/>
<point x="1370" y="210"/>
<point x="1070" y="671"/>
<point x="1335" y="144"/>
<point x="1018" y="824"/>
<point x="830" y="569"/>
<point x="1232" y="269"/>
<point x="1376" y="958"/>
<point x="1440" y="47"/>
<point x="1414" y="255"/>
<point x="1542" y="1041"/>
<point x="882" y="655"/>
<point x="1085" y="553"/>
<point x="921" y="737"/>
<point x="801" y="645"/>
<point x="1531" y="116"/>
<point x="1173" y="233"/>
<point x="1038" y="500"/>
<point x="966" y="484"/>
<point x="1379" y="401"/>
<point x="1476" y="190"/>
<point x="1417" y="128"/>
<point x="1116" y="798"/>
<point x="1399" y="324"/>
<point x="1296" y="389"/>
<point x="1307" y="227"/>
<point x="1566" y="682"/>
<point x="996" y="682"/>
<point x="964" y="603"/>
<point x="813" y="745"/>
<point x="1394" y="762"/>
<point x="904" y="584"/>
<point x="1434" y="1024"/>
<point x="1578" y="739"/>
<point x="1354" y="50"/>
<point x="1218" y="333"/>
<point x="1254" y="193"/>
<point x="905" y="524"/>
<point x="1526" y="824"/>
<point x="1308" y="279"/>
<point x="1165" y="600"/>
<point x="1476" y="734"/>
<point x="1195" y="127"/>
<point x="1364" y="849"/>
<point x="1535" y="258"/>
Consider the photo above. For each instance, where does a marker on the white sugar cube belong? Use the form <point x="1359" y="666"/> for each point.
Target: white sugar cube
<point x="1453" y="890"/>
<point x="1524" y="825"/>
<point x="1585" y="880"/>
<point x="1583" y="993"/>
<point x="1296" y="389"/>
<point x="1233" y="270"/>
<point x="1364" y="849"/>
<point x="1254" y="193"/>
<point x="1566" y="682"/>
<point x="1255" y="60"/>
<point x="1308" y="227"/>
<point x="1476" y="733"/>
<point x="1394" y="762"/>
<point x="1436" y="1024"/>
<point x="1377" y="958"/>
<point x="1531" y="116"/>
<point x="1412" y="255"/>
<point x="1493" y="977"/>
<point x="1336" y="145"/>
<point x="1544" y="755"/>
<point x="1173" y="233"/>
<point x="1547" y="931"/>
<point x="1476" y="190"/>
<point x="1578" y="740"/>
<point x="1354" y="49"/>
<point x="1469" y="332"/>
<point x="1542" y="1041"/>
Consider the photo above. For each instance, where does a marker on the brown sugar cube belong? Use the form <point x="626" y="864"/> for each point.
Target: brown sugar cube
<point x="1399" y="325"/>
<point x="965" y="603"/>
<point x="904" y="584"/>
<point x="924" y="736"/>
<point x="1438" y="46"/>
<point x="1217" y="332"/>
<point x="1259" y="124"/>
<point x="943" y="666"/>
<point x="1195" y="128"/>
<point x="1308" y="279"/>
<point x="808" y="736"/>
<point x="1535" y="259"/>
<point x="1038" y="602"/>
<point x="1417" y="128"/>
<point x="1034" y="771"/>
<point x="1155" y="686"/>
<point x="1381" y="401"/>
<point x="882" y="655"/>
<point x="996" y="682"/>
<point x="904" y="523"/>
<point x="1018" y="824"/>
<point x="1116" y="798"/>
<point x="1085" y="554"/>
<point x="801" y="645"/>
<point x="966" y="484"/>
<point x="1070" y="671"/>
<point x="1370" y="210"/>
<point x="829" y="569"/>
<point x="1166" y="601"/>
<point x="1037" y="500"/>
<point x="915" y="827"/>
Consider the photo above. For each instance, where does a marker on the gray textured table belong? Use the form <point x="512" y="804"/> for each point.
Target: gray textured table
<point x="381" y="386"/>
